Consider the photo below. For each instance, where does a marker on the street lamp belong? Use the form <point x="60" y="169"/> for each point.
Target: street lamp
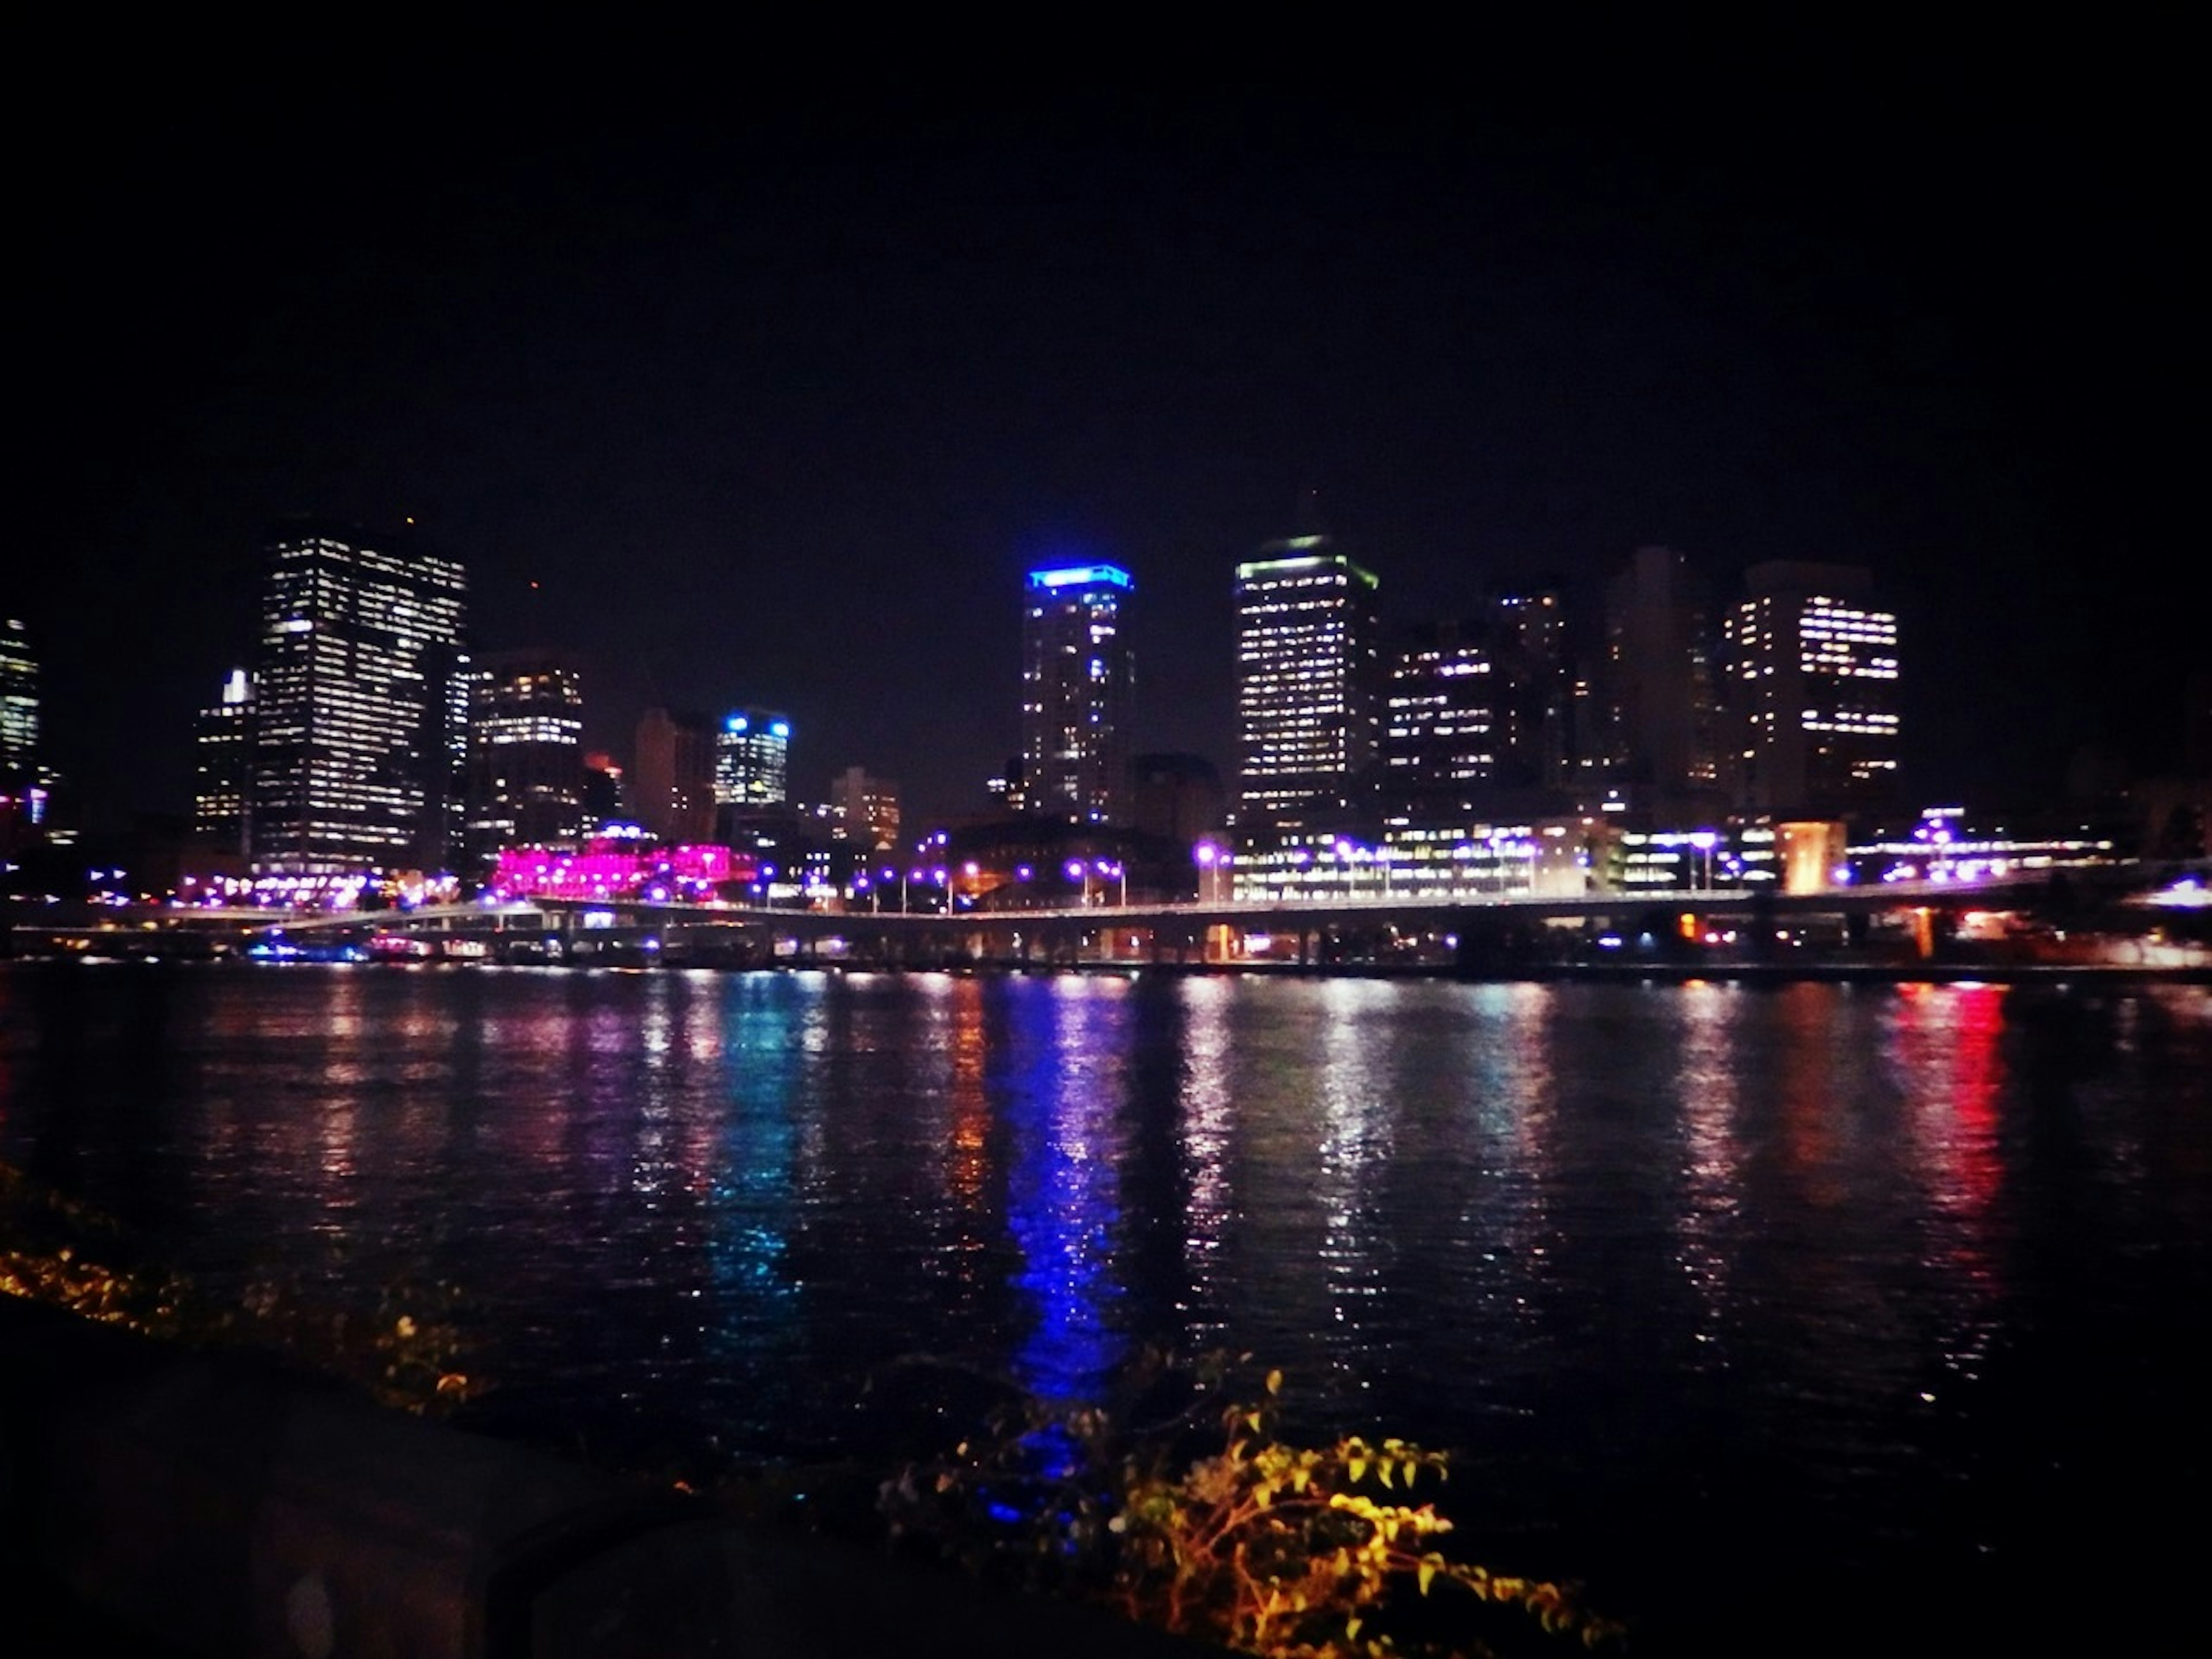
<point x="1703" y="840"/>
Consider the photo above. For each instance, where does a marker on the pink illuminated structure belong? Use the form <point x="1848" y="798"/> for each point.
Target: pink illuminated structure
<point x="613" y="869"/>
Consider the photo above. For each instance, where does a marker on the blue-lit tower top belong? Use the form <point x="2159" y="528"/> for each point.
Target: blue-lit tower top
<point x="1078" y="678"/>
<point x="752" y="759"/>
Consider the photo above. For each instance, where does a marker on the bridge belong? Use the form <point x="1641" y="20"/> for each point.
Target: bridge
<point x="1895" y="923"/>
<point x="1459" y="929"/>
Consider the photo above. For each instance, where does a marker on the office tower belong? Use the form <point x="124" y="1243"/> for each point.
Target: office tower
<point x="1077" y="680"/>
<point x="19" y="703"/>
<point x="1306" y="660"/>
<point x="222" y="766"/>
<point x="1439" y="718"/>
<point x="1531" y="690"/>
<point x="23" y="792"/>
<point x="525" y="752"/>
<point x="752" y="759"/>
<point x="1813" y="670"/>
<point x="672" y="779"/>
<point x="868" y="808"/>
<point x="1660" y="711"/>
<point x="359" y="723"/>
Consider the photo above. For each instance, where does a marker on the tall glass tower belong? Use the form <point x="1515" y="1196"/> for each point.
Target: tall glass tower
<point x="1079" y="678"/>
<point x="1308" y="661"/>
<point x="360" y="728"/>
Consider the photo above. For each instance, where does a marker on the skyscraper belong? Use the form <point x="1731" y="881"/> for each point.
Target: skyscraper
<point x="1307" y="667"/>
<point x="1439" y="716"/>
<point x="222" y="766"/>
<point x="752" y="759"/>
<point x="1078" y="680"/>
<point x="1659" y="710"/>
<point x="22" y="785"/>
<point x="19" y="703"/>
<point x="359" y="727"/>
<point x="1814" y="679"/>
<point x="525" y="752"/>
<point x="672" y="782"/>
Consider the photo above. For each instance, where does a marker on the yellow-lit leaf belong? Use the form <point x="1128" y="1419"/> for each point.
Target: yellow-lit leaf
<point x="1252" y="1420"/>
<point x="1382" y="1469"/>
<point x="1355" y="1467"/>
<point x="1428" y="1571"/>
<point x="1274" y="1381"/>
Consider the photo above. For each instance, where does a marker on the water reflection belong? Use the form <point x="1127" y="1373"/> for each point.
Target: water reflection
<point x="1062" y="1091"/>
<point x="1663" y="1263"/>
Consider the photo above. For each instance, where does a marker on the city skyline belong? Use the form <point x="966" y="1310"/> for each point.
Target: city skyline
<point x="775" y="409"/>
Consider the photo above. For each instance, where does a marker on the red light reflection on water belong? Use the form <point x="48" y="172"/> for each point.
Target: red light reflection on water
<point x="1944" y="1044"/>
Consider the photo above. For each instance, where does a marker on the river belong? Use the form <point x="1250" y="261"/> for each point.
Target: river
<point x="1779" y="1315"/>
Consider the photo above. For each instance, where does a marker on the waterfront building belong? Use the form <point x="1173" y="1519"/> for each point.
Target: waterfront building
<point x="752" y="759"/>
<point x="1814" y="678"/>
<point x="866" y="808"/>
<point x="525" y="752"/>
<point x="614" y="867"/>
<point x="1078" y="681"/>
<point x="1306" y="660"/>
<point x="223" y="767"/>
<point x="360" y="724"/>
<point x="672" y="780"/>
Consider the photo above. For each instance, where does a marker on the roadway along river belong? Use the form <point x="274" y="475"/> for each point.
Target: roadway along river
<point x="1777" y="1315"/>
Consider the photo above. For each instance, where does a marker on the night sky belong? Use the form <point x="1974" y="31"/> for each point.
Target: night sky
<point x="767" y="390"/>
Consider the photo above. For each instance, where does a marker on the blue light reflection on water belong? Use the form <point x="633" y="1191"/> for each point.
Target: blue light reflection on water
<point x="1824" y="1279"/>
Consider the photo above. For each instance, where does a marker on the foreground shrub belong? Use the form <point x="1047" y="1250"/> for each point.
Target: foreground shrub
<point x="1230" y="1533"/>
<point x="55" y="1250"/>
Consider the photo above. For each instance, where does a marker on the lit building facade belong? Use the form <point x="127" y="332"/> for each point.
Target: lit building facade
<point x="360" y="722"/>
<point x="752" y="759"/>
<point x="19" y="702"/>
<point x="1078" y="679"/>
<point x="618" y="867"/>
<point x="1814" y="668"/>
<point x="1307" y="665"/>
<point x="222" y="766"/>
<point x="1439" y="717"/>
<point x="525" y="752"/>
<point x="22" y="788"/>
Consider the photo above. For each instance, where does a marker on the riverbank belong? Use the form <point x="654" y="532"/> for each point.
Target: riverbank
<point x="182" y="1503"/>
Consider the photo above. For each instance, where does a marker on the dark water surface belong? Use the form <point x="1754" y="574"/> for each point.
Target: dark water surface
<point x="1781" y="1315"/>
